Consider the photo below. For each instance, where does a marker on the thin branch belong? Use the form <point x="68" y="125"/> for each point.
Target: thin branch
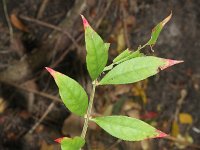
<point x="42" y="118"/>
<point x="51" y="26"/>
<point x="43" y="94"/>
<point x="103" y="14"/>
<point x="8" y="20"/>
<point x="124" y="14"/>
<point x="42" y="8"/>
<point x="179" y="104"/>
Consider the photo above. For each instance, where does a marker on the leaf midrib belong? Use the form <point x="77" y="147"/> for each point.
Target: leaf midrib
<point x="97" y="65"/>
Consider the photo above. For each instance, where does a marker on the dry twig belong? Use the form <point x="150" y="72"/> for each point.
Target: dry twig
<point x="42" y="118"/>
<point x="103" y="14"/>
<point x="180" y="103"/>
<point x="42" y="8"/>
<point x="43" y="94"/>
<point x="51" y="26"/>
<point x="124" y="15"/>
<point x="8" y="20"/>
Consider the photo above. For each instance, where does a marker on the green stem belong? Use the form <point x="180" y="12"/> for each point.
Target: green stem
<point x="87" y="116"/>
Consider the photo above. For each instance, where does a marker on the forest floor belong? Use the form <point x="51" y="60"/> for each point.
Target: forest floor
<point x="35" y="34"/>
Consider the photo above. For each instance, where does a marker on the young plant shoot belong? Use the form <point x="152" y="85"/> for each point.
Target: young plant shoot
<point x="128" y="67"/>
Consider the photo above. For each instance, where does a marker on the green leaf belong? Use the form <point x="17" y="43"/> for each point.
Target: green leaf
<point x="136" y="69"/>
<point x="72" y="144"/>
<point x="97" y="51"/>
<point x="126" y="55"/>
<point x="127" y="128"/>
<point x="157" y="29"/>
<point x="122" y="55"/>
<point x="108" y="67"/>
<point x="72" y="94"/>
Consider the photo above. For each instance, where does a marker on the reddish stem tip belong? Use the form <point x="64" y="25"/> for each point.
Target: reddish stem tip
<point x="51" y="71"/>
<point x="85" y="22"/>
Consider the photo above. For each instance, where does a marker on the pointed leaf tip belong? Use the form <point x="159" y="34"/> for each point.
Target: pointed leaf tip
<point x="97" y="51"/>
<point x="170" y="62"/>
<point x="166" y="19"/>
<point x="51" y="71"/>
<point x="85" y="22"/>
<point x="160" y="134"/>
<point x="58" y="140"/>
<point x="156" y="31"/>
<point x="132" y="129"/>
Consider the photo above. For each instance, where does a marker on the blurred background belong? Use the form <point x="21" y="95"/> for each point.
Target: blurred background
<point x="39" y="33"/>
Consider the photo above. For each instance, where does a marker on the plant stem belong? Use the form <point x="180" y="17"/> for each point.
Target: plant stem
<point x="87" y="116"/>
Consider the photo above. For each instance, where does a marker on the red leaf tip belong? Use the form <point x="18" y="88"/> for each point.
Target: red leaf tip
<point x="170" y="62"/>
<point x="58" y="140"/>
<point x="160" y="134"/>
<point x="85" y="22"/>
<point x="51" y="71"/>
